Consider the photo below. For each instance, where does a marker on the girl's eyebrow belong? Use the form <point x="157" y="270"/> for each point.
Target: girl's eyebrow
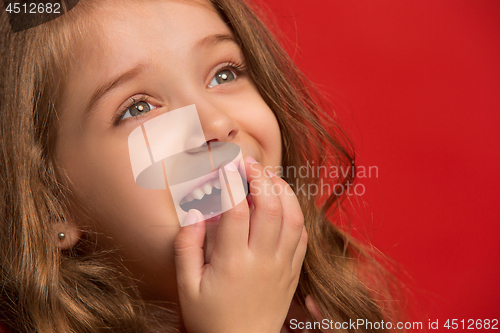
<point x="113" y="84"/>
<point x="212" y="40"/>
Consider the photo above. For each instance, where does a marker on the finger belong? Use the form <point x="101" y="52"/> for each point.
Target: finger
<point x="267" y="214"/>
<point x="300" y="252"/>
<point x="210" y="239"/>
<point x="314" y="310"/>
<point x="293" y="219"/>
<point x="243" y="173"/>
<point x="188" y="251"/>
<point x="242" y="169"/>
<point x="233" y="228"/>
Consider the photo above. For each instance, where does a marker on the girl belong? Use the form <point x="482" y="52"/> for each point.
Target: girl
<point x="84" y="249"/>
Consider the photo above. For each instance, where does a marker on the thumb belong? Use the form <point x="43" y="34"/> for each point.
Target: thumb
<point x="188" y="250"/>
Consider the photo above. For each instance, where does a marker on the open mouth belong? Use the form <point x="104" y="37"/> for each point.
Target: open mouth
<point x="206" y="198"/>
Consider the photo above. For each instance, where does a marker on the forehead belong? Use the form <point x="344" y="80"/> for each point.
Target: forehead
<point x="128" y="29"/>
<point x="120" y="35"/>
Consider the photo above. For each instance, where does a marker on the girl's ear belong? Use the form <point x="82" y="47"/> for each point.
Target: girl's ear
<point x="66" y="234"/>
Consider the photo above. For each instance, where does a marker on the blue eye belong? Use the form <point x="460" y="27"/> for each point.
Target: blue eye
<point x="223" y="76"/>
<point x="138" y="108"/>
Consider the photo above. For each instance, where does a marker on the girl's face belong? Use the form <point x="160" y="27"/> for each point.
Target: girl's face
<point x="172" y="54"/>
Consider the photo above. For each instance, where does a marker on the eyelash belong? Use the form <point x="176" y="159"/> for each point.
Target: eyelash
<point x="240" y="68"/>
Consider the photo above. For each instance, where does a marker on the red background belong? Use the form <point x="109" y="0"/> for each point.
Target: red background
<point x="417" y="85"/>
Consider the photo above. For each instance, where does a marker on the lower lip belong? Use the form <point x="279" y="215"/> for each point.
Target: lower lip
<point x="212" y="218"/>
<point x="215" y="217"/>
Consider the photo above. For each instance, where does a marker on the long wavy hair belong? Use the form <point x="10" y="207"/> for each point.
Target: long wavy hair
<point x="44" y="289"/>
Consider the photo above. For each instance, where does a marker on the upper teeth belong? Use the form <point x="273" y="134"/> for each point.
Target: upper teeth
<point x="200" y="192"/>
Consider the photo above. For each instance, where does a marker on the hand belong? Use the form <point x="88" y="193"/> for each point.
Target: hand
<point x="255" y="263"/>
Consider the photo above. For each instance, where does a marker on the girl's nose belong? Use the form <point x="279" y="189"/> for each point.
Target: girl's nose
<point x="217" y="123"/>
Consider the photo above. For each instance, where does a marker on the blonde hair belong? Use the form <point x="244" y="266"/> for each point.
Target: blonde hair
<point x="46" y="290"/>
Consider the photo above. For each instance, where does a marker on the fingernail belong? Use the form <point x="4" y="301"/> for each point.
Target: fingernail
<point x="251" y="160"/>
<point x="191" y="217"/>
<point x="231" y="167"/>
<point x="270" y="173"/>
